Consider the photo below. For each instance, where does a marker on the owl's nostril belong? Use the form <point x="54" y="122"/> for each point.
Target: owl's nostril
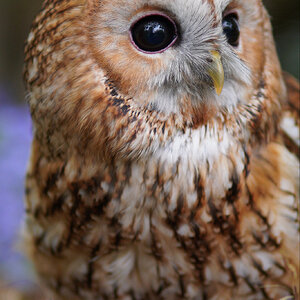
<point x="153" y="33"/>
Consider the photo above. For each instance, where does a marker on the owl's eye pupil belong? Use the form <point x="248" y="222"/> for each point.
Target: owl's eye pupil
<point x="231" y="29"/>
<point x="153" y="33"/>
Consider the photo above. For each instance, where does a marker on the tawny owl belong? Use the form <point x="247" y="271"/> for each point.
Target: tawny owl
<point x="162" y="163"/>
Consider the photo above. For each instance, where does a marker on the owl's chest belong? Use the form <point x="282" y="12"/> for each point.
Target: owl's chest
<point x="165" y="186"/>
<point x="181" y="175"/>
<point x="164" y="224"/>
<point x="133" y="225"/>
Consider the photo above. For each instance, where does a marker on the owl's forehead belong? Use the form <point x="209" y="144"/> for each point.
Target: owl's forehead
<point x="121" y="12"/>
<point x="178" y="7"/>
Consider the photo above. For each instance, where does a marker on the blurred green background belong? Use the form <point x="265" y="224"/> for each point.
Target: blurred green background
<point x="16" y="16"/>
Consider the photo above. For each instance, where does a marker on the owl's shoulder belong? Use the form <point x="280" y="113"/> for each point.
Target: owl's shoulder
<point x="293" y="89"/>
<point x="290" y="123"/>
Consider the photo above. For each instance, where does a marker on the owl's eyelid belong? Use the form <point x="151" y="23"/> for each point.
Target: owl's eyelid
<point x="153" y="13"/>
<point x="229" y="12"/>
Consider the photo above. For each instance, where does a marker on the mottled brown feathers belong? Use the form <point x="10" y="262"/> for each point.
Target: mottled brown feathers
<point x="292" y="111"/>
<point x="143" y="183"/>
<point x="293" y="89"/>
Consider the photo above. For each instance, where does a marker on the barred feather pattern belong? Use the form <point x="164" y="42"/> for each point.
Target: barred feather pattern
<point x="125" y="201"/>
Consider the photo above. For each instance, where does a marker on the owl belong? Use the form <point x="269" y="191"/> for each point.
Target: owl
<point x="164" y="159"/>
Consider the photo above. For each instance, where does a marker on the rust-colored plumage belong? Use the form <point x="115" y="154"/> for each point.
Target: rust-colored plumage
<point x="143" y="183"/>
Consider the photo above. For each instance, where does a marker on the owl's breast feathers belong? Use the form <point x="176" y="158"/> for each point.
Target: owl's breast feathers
<point x="204" y="213"/>
<point x="124" y="202"/>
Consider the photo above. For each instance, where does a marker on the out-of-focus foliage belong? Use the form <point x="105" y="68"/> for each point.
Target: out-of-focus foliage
<point x="16" y="16"/>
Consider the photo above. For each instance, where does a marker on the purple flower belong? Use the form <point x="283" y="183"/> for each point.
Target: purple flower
<point x="15" y="139"/>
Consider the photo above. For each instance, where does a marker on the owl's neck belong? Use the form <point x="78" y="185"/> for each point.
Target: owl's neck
<point x="195" y="168"/>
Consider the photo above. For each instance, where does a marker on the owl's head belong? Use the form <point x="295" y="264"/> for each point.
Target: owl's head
<point x="127" y="74"/>
<point x="172" y="54"/>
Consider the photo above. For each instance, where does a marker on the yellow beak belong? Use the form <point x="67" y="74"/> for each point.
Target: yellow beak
<point x="216" y="72"/>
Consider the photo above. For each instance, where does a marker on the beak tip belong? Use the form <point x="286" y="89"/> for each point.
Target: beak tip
<point x="219" y="90"/>
<point x="217" y="72"/>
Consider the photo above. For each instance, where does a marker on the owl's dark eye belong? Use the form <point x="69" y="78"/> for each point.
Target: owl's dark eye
<point x="231" y="29"/>
<point x="153" y="33"/>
